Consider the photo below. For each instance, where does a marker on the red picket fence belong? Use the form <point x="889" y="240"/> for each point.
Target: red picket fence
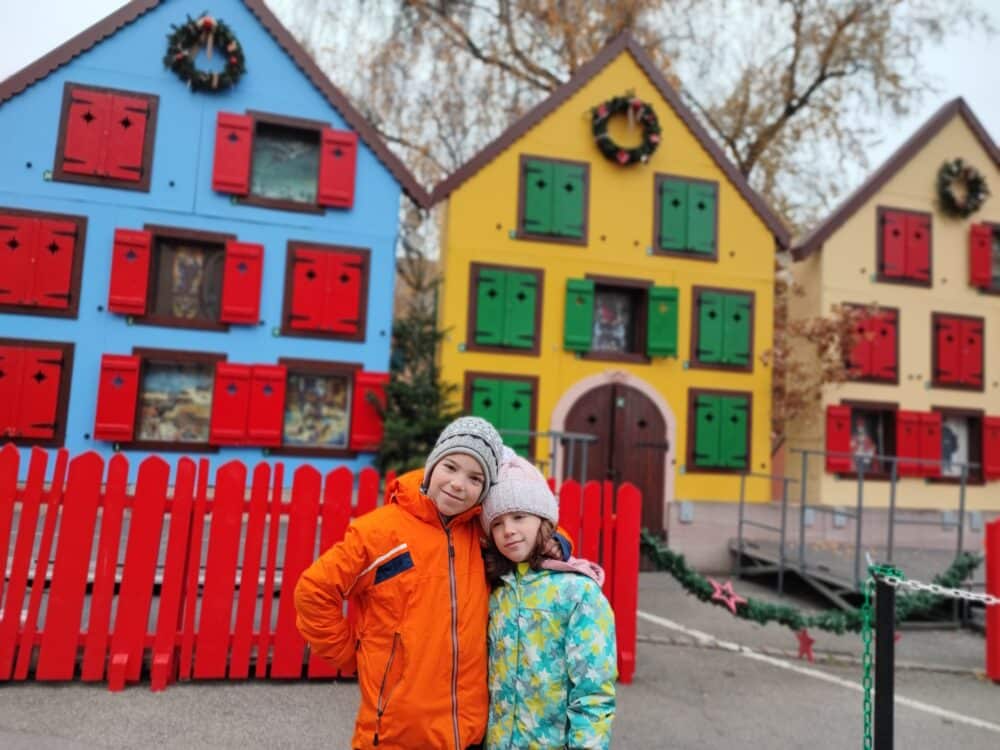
<point x="993" y="613"/>
<point x="184" y="577"/>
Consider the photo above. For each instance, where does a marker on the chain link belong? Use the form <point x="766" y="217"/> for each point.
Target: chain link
<point x="866" y="662"/>
<point x="970" y="596"/>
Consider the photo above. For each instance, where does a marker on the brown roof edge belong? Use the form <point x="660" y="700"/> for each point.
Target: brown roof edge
<point x="128" y="13"/>
<point x="616" y="46"/>
<point x="815" y="239"/>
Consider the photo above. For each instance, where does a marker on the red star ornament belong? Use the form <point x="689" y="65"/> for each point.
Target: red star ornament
<point x="806" y="645"/>
<point x="724" y="593"/>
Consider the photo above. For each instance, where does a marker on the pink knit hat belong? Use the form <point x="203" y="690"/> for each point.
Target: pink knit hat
<point x="520" y="488"/>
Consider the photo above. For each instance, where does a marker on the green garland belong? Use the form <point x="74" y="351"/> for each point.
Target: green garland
<point x="973" y="182"/>
<point x="908" y="605"/>
<point x="643" y="114"/>
<point x="185" y="42"/>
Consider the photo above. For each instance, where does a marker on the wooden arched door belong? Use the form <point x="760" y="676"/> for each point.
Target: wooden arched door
<point x="631" y="443"/>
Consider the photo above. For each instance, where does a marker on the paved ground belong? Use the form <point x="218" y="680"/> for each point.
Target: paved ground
<point x="694" y="688"/>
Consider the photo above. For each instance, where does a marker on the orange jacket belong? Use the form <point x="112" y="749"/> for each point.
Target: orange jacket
<point x="420" y="636"/>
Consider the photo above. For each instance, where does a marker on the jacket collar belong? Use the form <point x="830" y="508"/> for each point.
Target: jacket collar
<point x="405" y="492"/>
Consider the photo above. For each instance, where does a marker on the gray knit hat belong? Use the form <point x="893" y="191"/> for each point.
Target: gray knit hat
<point x="474" y="437"/>
<point x="520" y="488"/>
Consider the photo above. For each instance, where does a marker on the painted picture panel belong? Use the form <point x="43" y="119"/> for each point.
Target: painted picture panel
<point x="954" y="445"/>
<point x="614" y="313"/>
<point x="868" y="439"/>
<point x="317" y="410"/>
<point x="188" y="280"/>
<point x="175" y="402"/>
<point x="285" y="163"/>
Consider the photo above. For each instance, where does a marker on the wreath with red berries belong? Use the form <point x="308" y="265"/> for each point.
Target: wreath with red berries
<point x="637" y="111"/>
<point x="188" y="39"/>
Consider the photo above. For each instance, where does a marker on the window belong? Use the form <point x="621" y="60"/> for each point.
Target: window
<point x="283" y="162"/>
<point x="875" y="353"/>
<point x="508" y="402"/>
<point x="505" y="309"/>
<point x="620" y="319"/>
<point x="718" y="430"/>
<point x="183" y="278"/>
<point x="34" y="391"/>
<point x="326" y="291"/>
<point x="957" y="352"/>
<point x="553" y="200"/>
<point x="859" y="435"/>
<point x="904" y="247"/>
<point x="961" y="446"/>
<point x="686" y="214"/>
<point x="41" y="258"/>
<point x="106" y="137"/>
<point x="984" y="257"/>
<point x="722" y="329"/>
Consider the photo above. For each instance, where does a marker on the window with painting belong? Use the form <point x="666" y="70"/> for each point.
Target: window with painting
<point x="175" y="402"/>
<point x="984" y="257"/>
<point x="317" y="410"/>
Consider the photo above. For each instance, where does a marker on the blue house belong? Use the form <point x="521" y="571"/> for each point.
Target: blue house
<point x="196" y="258"/>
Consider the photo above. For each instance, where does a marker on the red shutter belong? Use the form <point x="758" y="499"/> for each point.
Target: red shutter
<point x="54" y="264"/>
<point x="241" y="283"/>
<point x="86" y="125"/>
<point x="972" y="353"/>
<point x="930" y="443"/>
<point x="948" y="362"/>
<point x="981" y="255"/>
<point x="342" y="311"/>
<point x="883" y="361"/>
<point x="309" y="268"/>
<point x="11" y="359"/>
<point x="126" y="138"/>
<point x="117" y="393"/>
<point x="908" y="443"/>
<point x="266" y="422"/>
<point x="39" y="396"/>
<point x="893" y="244"/>
<point x="863" y="349"/>
<point x="230" y="404"/>
<point x="18" y="240"/>
<point x="991" y="447"/>
<point x="337" y="166"/>
<point x="367" y="425"/>
<point x="130" y="272"/>
<point x="233" y="151"/>
<point x="918" y="247"/>
<point x="838" y="438"/>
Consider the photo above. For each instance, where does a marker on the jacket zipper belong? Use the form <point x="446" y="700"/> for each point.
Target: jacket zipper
<point x="454" y="637"/>
<point x="381" y="705"/>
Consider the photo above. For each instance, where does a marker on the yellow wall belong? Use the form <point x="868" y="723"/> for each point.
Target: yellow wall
<point x="482" y="215"/>
<point x="843" y="270"/>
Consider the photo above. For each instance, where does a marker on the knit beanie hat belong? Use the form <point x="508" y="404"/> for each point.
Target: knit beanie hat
<point x="520" y="488"/>
<point x="474" y="437"/>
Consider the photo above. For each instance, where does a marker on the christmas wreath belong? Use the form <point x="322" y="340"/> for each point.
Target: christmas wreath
<point x="972" y="189"/>
<point x="637" y="111"/>
<point x="206" y="32"/>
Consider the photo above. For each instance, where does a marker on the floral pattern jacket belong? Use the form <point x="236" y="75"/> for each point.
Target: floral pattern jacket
<point x="552" y="664"/>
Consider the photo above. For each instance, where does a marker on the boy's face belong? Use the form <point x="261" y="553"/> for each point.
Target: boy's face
<point x="515" y="534"/>
<point x="456" y="484"/>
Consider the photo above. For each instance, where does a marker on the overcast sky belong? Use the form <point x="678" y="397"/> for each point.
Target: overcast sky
<point x="965" y="67"/>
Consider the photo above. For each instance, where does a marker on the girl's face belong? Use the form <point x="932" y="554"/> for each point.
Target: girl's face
<point x="456" y="484"/>
<point x="516" y="534"/>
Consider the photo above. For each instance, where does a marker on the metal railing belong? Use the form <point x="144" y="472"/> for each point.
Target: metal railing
<point x="573" y="443"/>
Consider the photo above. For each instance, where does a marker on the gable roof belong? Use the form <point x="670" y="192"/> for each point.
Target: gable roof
<point x="127" y="14"/>
<point x="621" y="43"/>
<point x="900" y="158"/>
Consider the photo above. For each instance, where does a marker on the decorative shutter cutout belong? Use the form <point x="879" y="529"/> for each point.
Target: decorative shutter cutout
<point x="711" y="313"/>
<point x="18" y="241"/>
<point x="702" y="202"/>
<point x="126" y="136"/>
<point x="86" y="125"/>
<point x="491" y="305"/>
<point x="54" y="263"/>
<point x="486" y="400"/>
<point x="342" y="308"/>
<point x="972" y="353"/>
<point x="233" y="153"/>
<point x="538" y="189"/>
<point x="991" y="448"/>
<point x="117" y="394"/>
<point x="918" y="247"/>
<point x="981" y="256"/>
<point x="130" y="272"/>
<point x="579" y="323"/>
<point x="673" y="229"/>
<point x="367" y="424"/>
<point x="337" y="168"/>
<point x="309" y="271"/>
<point x="569" y="200"/>
<point x="707" y="430"/>
<point x="230" y="404"/>
<point x="11" y="363"/>
<point x="733" y="448"/>
<point x="893" y="244"/>
<point x="736" y="330"/>
<point x="882" y="328"/>
<point x="908" y="445"/>
<point x="515" y="414"/>
<point x="266" y="417"/>
<point x="519" y="313"/>
<point x="838" y="439"/>
<point x="661" y="328"/>
<point x="930" y="443"/>
<point x="39" y="396"/>
<point x="241" y="280"/>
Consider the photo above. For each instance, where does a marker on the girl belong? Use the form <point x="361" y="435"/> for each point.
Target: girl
<point x="551" y="637"/>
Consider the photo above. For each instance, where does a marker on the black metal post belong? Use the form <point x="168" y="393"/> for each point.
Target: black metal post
<point x="885" y="663"/>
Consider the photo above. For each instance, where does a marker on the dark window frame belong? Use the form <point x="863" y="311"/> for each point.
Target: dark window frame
<point x="689" y="464"/>
<point x="59" y="174"/>
<point x="937" y="316"/>
<point x="660" y="177"/>
<point x="76" y="272"/>
<point x="520" y="234"/>
<point x="882" y="406"/>
<point x="975" y="475"/>
<point x="642" y="286"/>
<point x="868" y="378"/>
<point x="473" y="306"/>
<point x="471" y="375"/>
<point x="62" y="399"/>
<point x="694" y="362"/>
<point x="880" y="276"/>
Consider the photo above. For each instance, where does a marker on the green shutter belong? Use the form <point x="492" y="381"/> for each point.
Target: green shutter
<point x="490" y="307"/>
<point x="708" y="347"/>
<point x="568" y="200"/>
<point x="486" y="400"/>
<point x="701" y="208"/>
<point x="538" y="187"/>
<point x="661" y="329"/>
<point x="579" y="324"/>
<point x="737" y="319"/>
<point x="707" y="424"/>
<point x="522" y="297"/>
<point x="734" y="449"/>
<point x="673" y="215"/>
<point x="515" y="400"/>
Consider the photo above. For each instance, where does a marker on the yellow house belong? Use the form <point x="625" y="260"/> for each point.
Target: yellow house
<point x="627" y="301"/>
<point x="925" y="403"/>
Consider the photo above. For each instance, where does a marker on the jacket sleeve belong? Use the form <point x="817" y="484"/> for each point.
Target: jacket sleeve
<point x="319" y="600"/>
<point x="592" y="662"/>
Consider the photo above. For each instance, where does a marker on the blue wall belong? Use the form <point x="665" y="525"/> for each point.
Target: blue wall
<point x="181" y="195"/>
